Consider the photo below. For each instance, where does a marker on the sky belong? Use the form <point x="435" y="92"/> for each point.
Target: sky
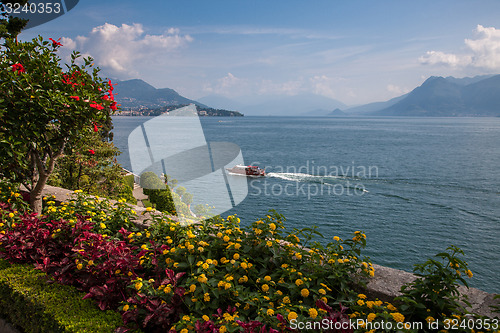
<point x="353" y="51"/>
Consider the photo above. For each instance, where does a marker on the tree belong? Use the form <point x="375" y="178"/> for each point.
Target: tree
<point x="96" y="174"/>
<point x="10" y="26"/>
<point x="45" y="110"/>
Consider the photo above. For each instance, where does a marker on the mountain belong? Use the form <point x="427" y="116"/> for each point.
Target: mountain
<point x="372" y="107"/>
<point x="467" y="80"/>
<point x="139" y="94"/>
<point x="449" y="97"/>
<point x="298" y="105"/>
<point x="338" y="113"/>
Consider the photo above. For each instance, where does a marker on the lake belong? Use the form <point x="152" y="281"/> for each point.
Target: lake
<point x="413" y="185"/>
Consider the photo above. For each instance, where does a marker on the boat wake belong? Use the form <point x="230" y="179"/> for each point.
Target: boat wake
<point x="307" y="178"/>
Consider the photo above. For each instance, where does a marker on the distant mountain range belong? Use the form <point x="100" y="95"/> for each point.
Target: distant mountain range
<point x="449" y="97"/>
<point x="436" y="97"/>
<point x="135" y="94"/>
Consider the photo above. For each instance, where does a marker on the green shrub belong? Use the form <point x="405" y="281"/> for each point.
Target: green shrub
<point x="129" y="181"/>
<point x="28" y="301"/>
<point x="163" y="201"/>
<point x="147" y="203"/>
<point x="150" y="181"/>
<point x="125" y="192"/>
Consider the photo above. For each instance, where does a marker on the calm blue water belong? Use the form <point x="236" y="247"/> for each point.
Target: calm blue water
<point x="413" y="185"/>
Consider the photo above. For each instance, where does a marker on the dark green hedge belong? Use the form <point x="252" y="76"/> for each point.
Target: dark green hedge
<point x="28" y="301"/>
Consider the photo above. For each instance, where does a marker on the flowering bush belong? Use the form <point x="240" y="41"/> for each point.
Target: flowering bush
<point x="215" y="276"/>
<point x="45" y="110"/>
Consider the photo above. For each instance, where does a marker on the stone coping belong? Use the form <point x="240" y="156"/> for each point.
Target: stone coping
<point x="385" y="285"/>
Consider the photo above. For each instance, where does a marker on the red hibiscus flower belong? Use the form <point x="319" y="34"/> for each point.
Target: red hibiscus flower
<point x="96" y="106"/>
<point x="75" y="97"/>
<point x="56" y="43"/>
<point x="91" y="151"/>
<point x="19" y="68"/>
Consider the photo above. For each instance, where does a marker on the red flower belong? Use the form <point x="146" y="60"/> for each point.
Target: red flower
<point x="91" y="151"/>
<point x="75" y="97"/>
<point x="113" y="106"/>
<point x="19" y="68"/>
<point x="110" y="86"/>
<point x="105" y="97"/>
<point x="96" y="106"/>
<point x="56" y="43"/>
<point x="95" y="128"/>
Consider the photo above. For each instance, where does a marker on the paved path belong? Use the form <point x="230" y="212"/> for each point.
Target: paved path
<point x="137" y="192"/>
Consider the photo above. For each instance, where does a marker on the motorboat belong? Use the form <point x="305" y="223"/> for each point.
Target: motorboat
<point x="247" y="170"/>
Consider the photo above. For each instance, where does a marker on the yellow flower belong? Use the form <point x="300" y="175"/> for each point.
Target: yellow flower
<point x="336" y="238"/>
<point x="205" y="318"/>
<point x="292" y="315"/>
<point x="102" y="225"/>
<point x="304" y="292"/>
<point x="391" y="307"/>
<point x="192" y="288"/>
<point x="206" y="297"/>
<point x="267" y="278"/>
<point x="138" y="285"/>
<point x="361" y="296"/>
<point x="226" y="238"/>
<point x="430" y="319"/>
<point x="265" y="288"/>
<point x="270" y="312"/>
<point x="272" y="226"/>
<point x="79" y="266"/>
<point x="398" y="317"/>
<point x="126" y="307"/>
<point x="186" y="318"/>
<point x="361" y="302"/>
<point x="371" y="317"/>
<point x="322" y="291"/>
<point x="202" y="278"/>
<point x="286" y="299"/>
<point x="244" y="265"/>
<point x="222" y="329"/>
<point x="299" y="282"/>
<point x="236" y="256"/>
<point x="11" y="214"/>
<point x="313" y="313"/>
<point x="469" y="273"/>
<point x="205" y="266"/>
<point x="184" y="330"/>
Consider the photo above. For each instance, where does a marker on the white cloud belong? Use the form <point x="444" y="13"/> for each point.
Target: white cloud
<point x="441" y="58"/>
<point x="119" y="49"/>
<point x="228" y="85"/>
<point x="483" y="51"/>
<point x="485" y="48"/>
<point x="396" y="90"/>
